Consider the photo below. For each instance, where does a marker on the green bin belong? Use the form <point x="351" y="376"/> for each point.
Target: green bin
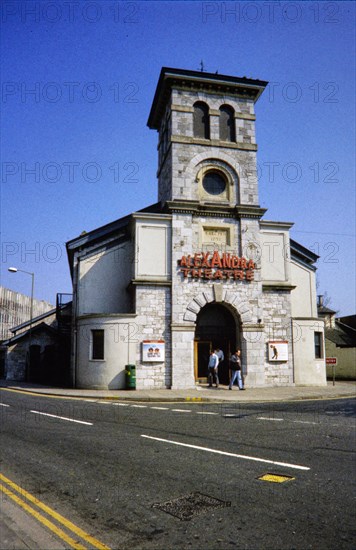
<point x="130" y="376"/>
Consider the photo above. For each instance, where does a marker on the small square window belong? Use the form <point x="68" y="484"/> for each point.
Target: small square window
<point x="97" y="347"/>
<point x="318" y="344"/>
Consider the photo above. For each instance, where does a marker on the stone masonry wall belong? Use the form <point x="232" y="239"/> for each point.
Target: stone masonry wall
<point x="178" y="166"/>
<point x="277" y="320"/>
<point x="189" y="158"/>
<point x="15" y="364"/>
<point x="153" y="321"/>
<point x="190" y="295"/>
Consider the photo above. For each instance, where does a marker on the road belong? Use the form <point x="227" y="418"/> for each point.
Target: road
<point x="119" y="471"/>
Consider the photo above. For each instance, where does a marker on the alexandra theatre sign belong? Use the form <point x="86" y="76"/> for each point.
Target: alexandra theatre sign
<point x="215" y="265"/>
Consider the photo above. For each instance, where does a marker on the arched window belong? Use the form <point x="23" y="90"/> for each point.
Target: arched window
<point x="227" y="123"/>
<point x="201" y="126"/>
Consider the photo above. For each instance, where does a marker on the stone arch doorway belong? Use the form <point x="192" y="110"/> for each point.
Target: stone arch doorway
<point x="216" y="327"/>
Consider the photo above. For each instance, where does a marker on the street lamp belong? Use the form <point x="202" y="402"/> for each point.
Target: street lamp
<point x="15" y="270"/>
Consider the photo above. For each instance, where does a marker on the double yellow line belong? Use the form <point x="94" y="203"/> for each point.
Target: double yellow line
<point x="5" y="486"/>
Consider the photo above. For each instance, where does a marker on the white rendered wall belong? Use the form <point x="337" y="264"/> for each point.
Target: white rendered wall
<point x="153" y="249"/>
<point x="308" y="371"/>
<point x="304" y="295"/>
<point x="275" y="256"/>
<point x="120" y="343"/>
<point x="103" y="280"/>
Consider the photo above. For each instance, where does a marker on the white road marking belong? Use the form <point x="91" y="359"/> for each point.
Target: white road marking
<point x="267" y="418"/>
<point x="206" y="412"/>
<point x="160" y="408"/>
<point x="182" y="410"/>
<point x="122" y="404"/>
<point x="63" y="418"/>
<point x="139" y="406"/>
<point x="207" y="449"/>
<point x="303" y="422"/>
<point x="4" y="405"/>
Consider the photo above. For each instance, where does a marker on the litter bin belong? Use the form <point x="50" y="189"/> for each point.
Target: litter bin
<point x="130" y="376"/>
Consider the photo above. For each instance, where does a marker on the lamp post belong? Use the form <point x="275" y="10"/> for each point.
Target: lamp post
<point x="15" y="270"/>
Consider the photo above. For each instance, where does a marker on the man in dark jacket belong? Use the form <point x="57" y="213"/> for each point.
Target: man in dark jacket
<point x="235" y="365"/>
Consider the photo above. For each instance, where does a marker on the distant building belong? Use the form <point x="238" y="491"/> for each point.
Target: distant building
<point x="38" y="349"/>
<point x="340" y="342"/>
<point x="15" y="308"/>
<point x="200" y="269"/>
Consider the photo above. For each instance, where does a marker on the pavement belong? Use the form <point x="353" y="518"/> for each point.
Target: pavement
<point x="201" y="393"/>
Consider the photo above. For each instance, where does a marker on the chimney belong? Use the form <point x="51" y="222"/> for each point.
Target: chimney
<point x="320" y="300"/>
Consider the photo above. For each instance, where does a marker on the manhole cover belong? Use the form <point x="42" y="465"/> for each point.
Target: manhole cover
<point x="275" y="478"/>
<point x="191" y="505"/>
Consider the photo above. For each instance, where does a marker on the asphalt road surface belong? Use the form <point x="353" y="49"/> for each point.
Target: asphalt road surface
<point x="176" y="476"/>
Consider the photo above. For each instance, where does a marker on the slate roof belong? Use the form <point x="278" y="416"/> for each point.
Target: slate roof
<point x="325" y="310"/>
<point x="342" y="335"/>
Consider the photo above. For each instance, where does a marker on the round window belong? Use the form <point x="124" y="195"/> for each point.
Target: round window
<point x="214" y="183"/>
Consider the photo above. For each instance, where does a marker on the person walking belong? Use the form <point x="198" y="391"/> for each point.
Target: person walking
<point x="213" y="369"/>
<point x="235" y="365"/>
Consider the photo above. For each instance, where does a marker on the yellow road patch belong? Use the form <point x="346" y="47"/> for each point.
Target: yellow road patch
<point x="275" y="478"/>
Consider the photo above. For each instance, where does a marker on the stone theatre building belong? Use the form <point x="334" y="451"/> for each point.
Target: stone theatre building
<point x="202" y="267"/>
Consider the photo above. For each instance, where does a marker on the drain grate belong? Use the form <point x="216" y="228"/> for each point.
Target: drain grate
<point x="275" y="478"/>
<point x="185" y="508"/>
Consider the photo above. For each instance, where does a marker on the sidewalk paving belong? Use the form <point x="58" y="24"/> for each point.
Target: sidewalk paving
<point x="201" y="393"/>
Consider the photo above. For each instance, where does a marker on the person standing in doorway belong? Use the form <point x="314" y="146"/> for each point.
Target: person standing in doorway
<point x="219" y="352"/>
<point x="213" y="369"/>
<point x="235" y="365"/>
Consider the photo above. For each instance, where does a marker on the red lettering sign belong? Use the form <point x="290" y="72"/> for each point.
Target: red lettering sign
<point x="207" y="265"/>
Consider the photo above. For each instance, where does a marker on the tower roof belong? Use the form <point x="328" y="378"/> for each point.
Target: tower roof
<point x="197" y="80"/>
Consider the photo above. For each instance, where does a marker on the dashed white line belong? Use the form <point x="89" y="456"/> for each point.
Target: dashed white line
<point x="160" y="408"/>
<point x="122" y="404"/>
<point x="139" y="406"/>
<point x="181" y="410"/>
<point x="267" y="418"/>
<point x="207" y="412"/>
<point x="303" y="422"/>
<point x="63" y="418"/>
<point x="4" y="405"/>
<point x="216" y="451"/>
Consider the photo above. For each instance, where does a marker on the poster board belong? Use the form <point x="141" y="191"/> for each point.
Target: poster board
<point x="153" y="351"/>
<point x="277" y="350"/>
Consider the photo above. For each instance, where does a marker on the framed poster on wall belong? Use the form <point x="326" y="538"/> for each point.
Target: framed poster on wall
<point x="153" y="351"/>
<point x="277" y="350"/>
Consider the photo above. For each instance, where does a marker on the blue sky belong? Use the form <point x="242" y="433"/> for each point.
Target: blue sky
<point x="78" y="79"/>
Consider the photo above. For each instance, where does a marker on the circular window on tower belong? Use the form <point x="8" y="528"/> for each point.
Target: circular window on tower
<point x="214" y="183"/>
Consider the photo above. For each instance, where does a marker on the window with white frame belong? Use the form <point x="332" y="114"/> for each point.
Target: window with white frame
<point x="318" y="344"/>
